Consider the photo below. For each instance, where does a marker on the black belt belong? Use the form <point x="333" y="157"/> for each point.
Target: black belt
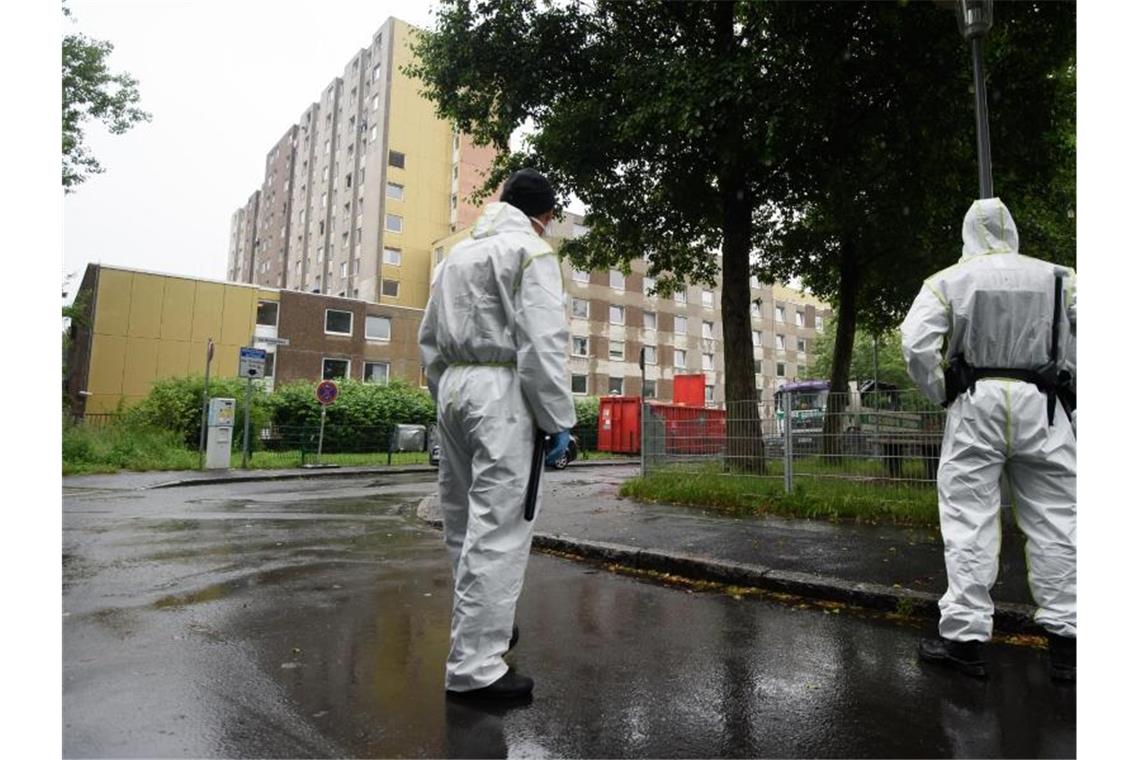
<point x="960" y="377"/>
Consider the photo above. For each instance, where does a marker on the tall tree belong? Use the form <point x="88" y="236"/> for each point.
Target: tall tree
<point x="91" y="90"/>
<point x="881" y="123"/>
<point x="655" y="114"/>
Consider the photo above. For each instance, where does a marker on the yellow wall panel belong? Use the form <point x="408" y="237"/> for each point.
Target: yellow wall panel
<point x="102" y="403"/>
<point x="208" y="301"/>
<point x="146" y="306"/>
<point x="173" y="359"/>
<point x="196" y="358"/>
<point x="113" y="302"/>
<point x="178" y="309"/>
<point x="107" y="355"/>
<point x="141" y="366"/>
<point x="225" y="362"/>
<point x="239" y="310"/>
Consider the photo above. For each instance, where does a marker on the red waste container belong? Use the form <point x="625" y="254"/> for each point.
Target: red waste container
<point x="691" y="430"/>
<point x="619" y="424"/>
<point x="689" y="390"/>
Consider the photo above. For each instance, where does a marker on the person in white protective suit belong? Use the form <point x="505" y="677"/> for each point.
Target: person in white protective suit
<point x="990" y="339"/>
<point x="494" y="344"/>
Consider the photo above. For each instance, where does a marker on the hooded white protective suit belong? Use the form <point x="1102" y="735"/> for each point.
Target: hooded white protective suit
<point x="494" y="344"/>
<point x="996" y="307"/>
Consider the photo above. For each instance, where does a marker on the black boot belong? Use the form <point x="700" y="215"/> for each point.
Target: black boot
<point x="1062" y="658"/>
<point x="967" y="657"/>
<point x="514" y="637"/>
<point x="511" y="687"/>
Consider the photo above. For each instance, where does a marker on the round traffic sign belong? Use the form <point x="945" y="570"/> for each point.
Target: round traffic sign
<point x="326" y="392"/>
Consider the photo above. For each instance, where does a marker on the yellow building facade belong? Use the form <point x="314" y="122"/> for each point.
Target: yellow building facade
<point x="142" y="327"/>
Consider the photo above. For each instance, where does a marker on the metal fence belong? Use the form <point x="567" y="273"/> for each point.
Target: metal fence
<point x="340" y="441"/>
<point x="886" y="438"/>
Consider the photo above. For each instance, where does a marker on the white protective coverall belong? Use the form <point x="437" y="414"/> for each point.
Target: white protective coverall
<point x="996" y="307"/>
<point x="494" y="345"/>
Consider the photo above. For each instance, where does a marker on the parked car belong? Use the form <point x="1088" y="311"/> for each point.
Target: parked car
<point x="570" y="455"/>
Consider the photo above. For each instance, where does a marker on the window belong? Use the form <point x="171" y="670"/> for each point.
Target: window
<point x="649" y="389"/>
<point x="679" y="358"/>
<point x="779" y="369"/>
<point x="373" y="133"/>
<point x="578" y="384"/>
<point x="579" y="346"/>
<point x="267" y="313"/>
<point x="326" y="146"/>
<point x="395" y="191"/>
<point x="680" y="296"/>
<point x="650" y="318"/>
<point x="390" y="288"/>
<point x="780" y="342"/>
<point x="617" y="280"/>
<point x="707" y="362"/>
<point x="394" y="223"/>
<point x="615" y="387"/>
<point x="377" y="328"/>
<point x="799" y="319"/>
<point x="334" y="369"/>
<point x="651" y="354"/>
<point x="754" y="281"/>
<point x="396" y="159"/>
<point x="617" y="350"/>
<point x="707" y="299"/>
<point x="779" y="313"/>
<point x="801" y="345"/>
<point x="650" y="284"/>
<point x="344" y="269"/>
<point x="376" y="372"/>
<point x="617" y="315"/>
<point x="392" y="256"/>
<point x="579" y="308"/>
<point x="375" y="72"/>
<point x="819" y="323"/>
<point x="270" y="362"/>
<point x="338" y="322"/>
<point x="375" y="102"/>
<point x="580" y="276"/>
<point x="680" y="325"/>
<point x="756" y="337"/>
<point x="707" y="330"/>
<point x="438" y="253"/>
<point x="709" y="393"/>
<point x="755" y="309"/>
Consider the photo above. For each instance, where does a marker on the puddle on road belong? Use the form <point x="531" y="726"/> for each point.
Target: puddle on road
<point x="219" y="591"/>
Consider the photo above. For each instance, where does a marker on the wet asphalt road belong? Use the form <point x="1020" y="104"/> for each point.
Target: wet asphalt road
<point x="309" y="619"/>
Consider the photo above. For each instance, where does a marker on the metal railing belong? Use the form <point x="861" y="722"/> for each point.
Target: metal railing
<point x="886" y="438"/>
<point x="339" y="440"/>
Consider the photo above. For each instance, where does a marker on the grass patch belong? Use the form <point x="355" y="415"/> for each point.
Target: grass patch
<point x="123" y="447"/>
<point x="815" y="498"/>
<point x="281" y="460"/>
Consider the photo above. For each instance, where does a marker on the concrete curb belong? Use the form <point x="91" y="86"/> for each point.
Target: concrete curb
<point x="336" y="472"/>
<point x="1008" y="617"/>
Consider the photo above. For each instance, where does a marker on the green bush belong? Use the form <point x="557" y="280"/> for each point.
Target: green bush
<point x="361" y="418"/>
<point x="175" y="404"/>
<point x="587" y="410"/>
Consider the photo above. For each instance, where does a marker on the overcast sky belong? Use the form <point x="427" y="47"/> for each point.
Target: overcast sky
<point x="223" y="81"/>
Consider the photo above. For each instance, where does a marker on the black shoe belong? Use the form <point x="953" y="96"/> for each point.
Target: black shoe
<point x="514" y="637"/>
<point x="967" y="657"/>
<point x="512" y="686"/>
<point x="1062" y="658"/>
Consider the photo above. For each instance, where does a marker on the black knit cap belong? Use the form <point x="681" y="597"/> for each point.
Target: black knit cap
<point x="529" y="192"/>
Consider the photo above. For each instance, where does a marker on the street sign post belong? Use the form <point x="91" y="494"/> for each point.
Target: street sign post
<point x="251" y="364"/>
<point x="326" y="394"/>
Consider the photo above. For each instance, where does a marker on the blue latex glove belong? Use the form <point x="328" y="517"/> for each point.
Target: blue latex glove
<point x="556" y="446"/>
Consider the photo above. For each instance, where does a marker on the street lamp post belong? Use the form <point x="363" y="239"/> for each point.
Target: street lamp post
<point x="975" y="18"/>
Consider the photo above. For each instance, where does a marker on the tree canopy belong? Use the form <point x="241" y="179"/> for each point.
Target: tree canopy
<point x="829" y="142"/>
<point x="92" y="91"/>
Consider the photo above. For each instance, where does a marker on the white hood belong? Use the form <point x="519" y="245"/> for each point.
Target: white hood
<point x="988" y="228"/>
<point x="501" y="217"/>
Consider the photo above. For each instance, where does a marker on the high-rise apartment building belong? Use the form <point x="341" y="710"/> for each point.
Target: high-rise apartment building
<point x="357" y="190"/>
<point x="612" y="316"/>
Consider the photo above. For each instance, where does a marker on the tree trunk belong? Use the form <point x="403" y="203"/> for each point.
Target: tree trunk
<point x="844" y="345"/>
<point x="745" y="444"/>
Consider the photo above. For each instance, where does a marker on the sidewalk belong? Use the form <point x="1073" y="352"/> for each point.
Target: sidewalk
<point x="880" y="567"/>
<point x="132" y="481"/>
